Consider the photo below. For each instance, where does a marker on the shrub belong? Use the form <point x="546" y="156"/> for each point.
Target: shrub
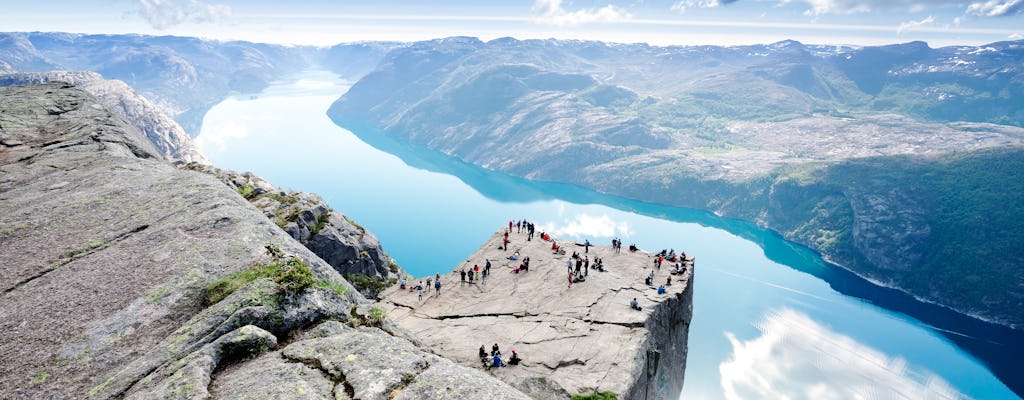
<point x="293" y="275"/>
<point x="596" y="396"/>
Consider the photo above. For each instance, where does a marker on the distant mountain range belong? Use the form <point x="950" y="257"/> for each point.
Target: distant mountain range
<point x="183" y="76"/>
<point x="898" y="162"/>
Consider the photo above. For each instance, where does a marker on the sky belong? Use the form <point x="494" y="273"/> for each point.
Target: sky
<point x="664" y="22"/>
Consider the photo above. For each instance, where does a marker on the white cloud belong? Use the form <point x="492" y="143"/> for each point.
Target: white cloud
<point x="1016" y="36"/>
<point x="986" y="8"/>
<point x="163" y="14"/>
<point x="551" y="12"/>
<point x="910" y="25"/>
<point x="797" y="358"/>
<point x="996" y="8"/>
<point x="682" y="5"/>
<point x="588" y="226"/>
<point x="218" y="135"/>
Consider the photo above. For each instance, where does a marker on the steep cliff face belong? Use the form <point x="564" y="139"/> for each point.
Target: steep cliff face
<point x="582" y="338"/>
<point x="125" y="277"/>
<point x="169" y="138"/>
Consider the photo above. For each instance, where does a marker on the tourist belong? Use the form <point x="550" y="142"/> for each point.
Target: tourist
<point x="586" y="266"/>
<point x="514" y="360"/>
<point x="647" y="281"/>
<point x="632" y="304"/>
<point x="633" y="248"/>
<point x="661" y="289"/>
<point x="420" y="293"/>
<point x="437" y="288"/>
<point x="495" y="350"/>
<point x="462" y="272"/>
<point x="570" y="279"/>
<point x="483" y="353"/>
<point x="586" y="246"/>
<point x="487" y="264"/>
<point x="497" y="361"/>
<point x="668" y="281"/>
<point x="401" y="283"/>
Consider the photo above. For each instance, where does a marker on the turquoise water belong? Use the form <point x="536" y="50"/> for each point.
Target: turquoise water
<point x="771" y="319"/>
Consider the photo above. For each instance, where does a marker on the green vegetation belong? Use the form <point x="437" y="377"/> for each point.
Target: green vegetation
<point x="596" y="396"/>
<point x="293" y="275"/>
<point x="283" y="216"/>
<point x="321" y="221"/>
<point x="372" y="285"/>
<point x="959" y="216"/>
<point x="41" y="378"/>
<point x="246" y="190"/>
<point x="287" y="200"/>
<point x="334" y="287"/>
<point x="392" y="266"/>
<point x="376" y="317"/>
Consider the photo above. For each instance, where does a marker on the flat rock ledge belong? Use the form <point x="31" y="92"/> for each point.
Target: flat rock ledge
<point x="583" y="338"/>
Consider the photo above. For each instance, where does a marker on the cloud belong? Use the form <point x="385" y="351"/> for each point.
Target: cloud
<point x="996" y="8"/>
<point x="986" y="8"/>
<point x="1016" y="36"/>
<point x="682" y="5"/>
<point x="797" y="358"/>
<point x="588" y="226"/>
<point x="551" y="12"/>
<point x="910" y="25"/>
<point x="163" y="14"/>
<point x="218" y="135"/>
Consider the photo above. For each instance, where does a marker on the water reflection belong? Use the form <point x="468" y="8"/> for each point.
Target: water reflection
<point x="798" y="358"/>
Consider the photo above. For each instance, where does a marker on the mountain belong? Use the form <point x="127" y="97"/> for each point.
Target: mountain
<point x="125" y="276"/>
<point x="871" y="155"/>
<point x="169" y="138"/>
<point x="182" y="76"/>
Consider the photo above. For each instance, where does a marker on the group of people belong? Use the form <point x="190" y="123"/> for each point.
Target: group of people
<point x="420" y="287"/>
<point x="494" y="359"/>
<point x="475" y="273"/>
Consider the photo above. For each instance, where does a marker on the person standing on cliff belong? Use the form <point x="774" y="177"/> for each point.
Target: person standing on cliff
<point x="463" y="273"/>
<point x="586" y="266"/>
<point x="487" y="265"/>
<point x="437" y="288"/>
<point x="586" y="246"/>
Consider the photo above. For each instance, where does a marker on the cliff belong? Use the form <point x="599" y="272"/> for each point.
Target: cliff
<point x="125" y="277"/>
<point x="579" y="339"/>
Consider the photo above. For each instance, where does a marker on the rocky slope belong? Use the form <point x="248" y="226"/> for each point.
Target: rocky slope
<point x="352" y="250"/>
<point x="580" y="339"/>
<point x="125" y="277"/>
<point x="802" y="139"/>
<point x="169" y="138"/>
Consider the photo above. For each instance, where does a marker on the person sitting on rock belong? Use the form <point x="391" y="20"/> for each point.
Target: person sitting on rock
<point x="554" y="246"/>
<point x="514" y="360"/>
<point x="401" y="283"/>
<point x="634" y="304"/>
<point x="497" y="361"/>
<point x="633" y="247"/>
<point x="514" y="256"/>
<point x="668" y="281"/>
<point x="483" y="352"/>
<point x="495" y="350"/>
<point x="647" y="281"/>
<point x="661" y="289"/>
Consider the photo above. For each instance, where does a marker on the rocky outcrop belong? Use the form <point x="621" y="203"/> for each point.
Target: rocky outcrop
<point x="125" y="277"/>
<point x="348" y="247"/>
<point x="171" y="141"/>
<point x="579" y="339"/>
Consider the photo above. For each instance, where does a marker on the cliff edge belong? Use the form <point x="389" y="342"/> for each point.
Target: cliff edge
<point x="584" y="338"/>
<point x="126" y="277"/>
